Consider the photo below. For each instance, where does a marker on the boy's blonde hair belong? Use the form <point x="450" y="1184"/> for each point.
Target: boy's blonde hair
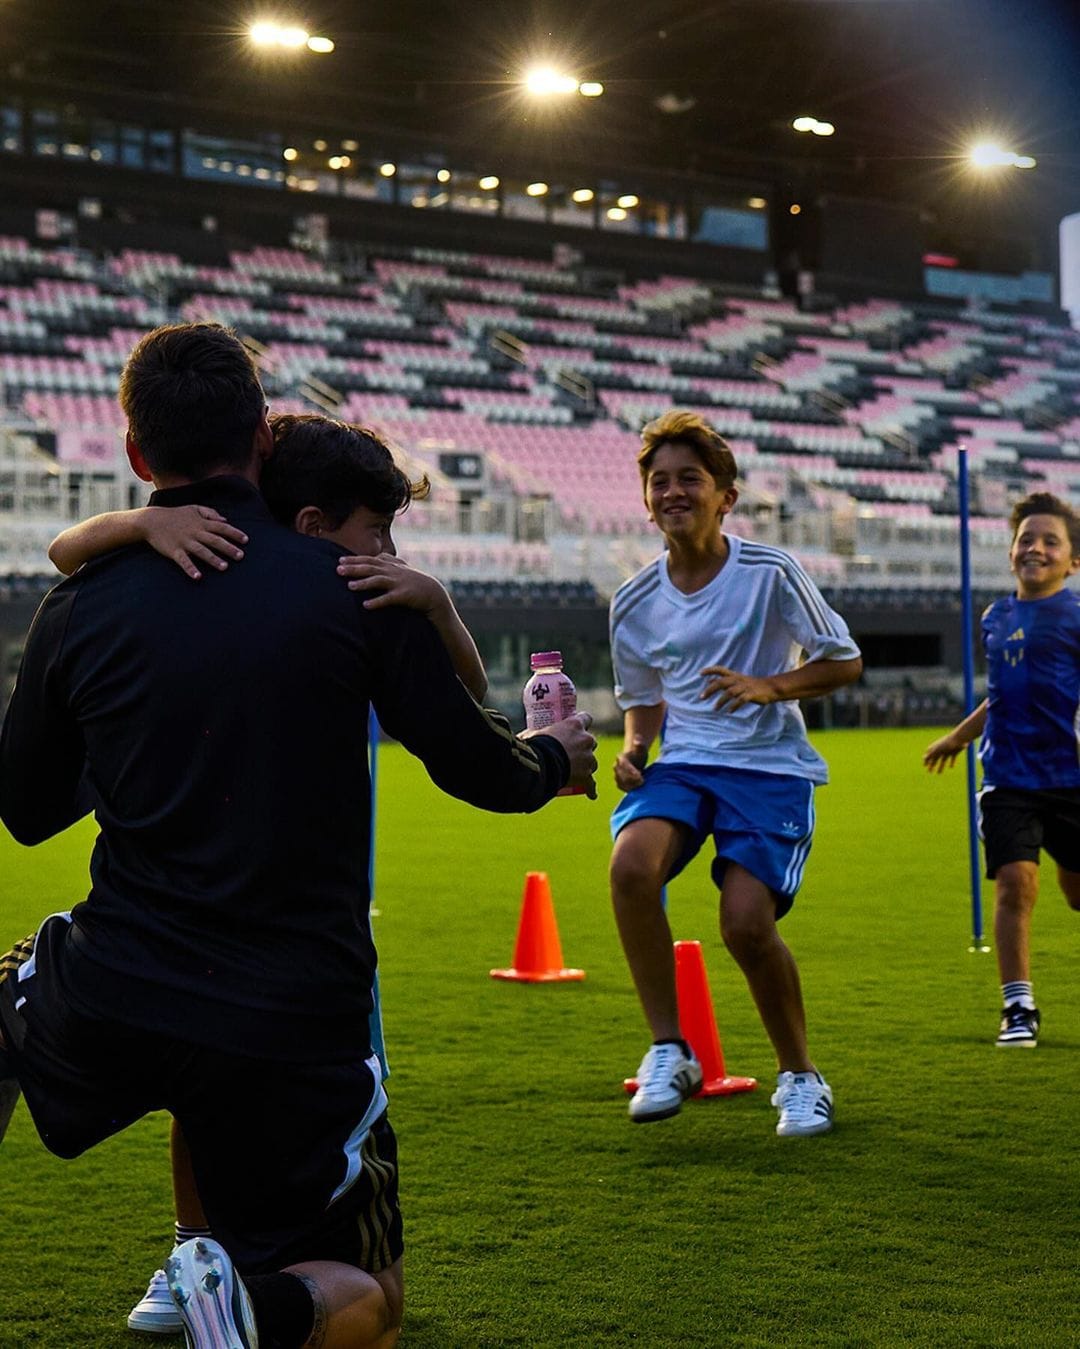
<point x="694" y="431"/>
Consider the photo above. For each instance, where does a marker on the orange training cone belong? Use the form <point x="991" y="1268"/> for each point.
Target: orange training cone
<point x="537" y="952"/>
<point x="699" y="1024"/>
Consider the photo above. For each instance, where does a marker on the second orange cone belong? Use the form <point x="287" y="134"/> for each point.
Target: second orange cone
<point x="538" y="954"/>
<point x="699" y="1024"/>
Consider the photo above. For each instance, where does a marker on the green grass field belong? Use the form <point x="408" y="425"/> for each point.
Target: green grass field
<point x="941" y="1211"/>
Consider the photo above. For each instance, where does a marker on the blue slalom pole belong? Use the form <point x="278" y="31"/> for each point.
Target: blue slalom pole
<point x="378" y="1044"/>
<point x="968" y="637"/>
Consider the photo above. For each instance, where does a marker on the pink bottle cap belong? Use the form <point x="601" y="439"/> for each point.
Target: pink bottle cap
<point x="540" y="660"/>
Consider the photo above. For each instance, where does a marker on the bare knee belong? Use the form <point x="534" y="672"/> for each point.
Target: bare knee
<point x="637" y="871"/>
<point x="748" y="936"/>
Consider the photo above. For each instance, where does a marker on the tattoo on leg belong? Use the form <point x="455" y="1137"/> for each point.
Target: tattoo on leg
<point x="318" y="1331"/>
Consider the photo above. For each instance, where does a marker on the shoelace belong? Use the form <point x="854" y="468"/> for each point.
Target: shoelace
<point x="1016" y="1017"/>
<point x="659" y="1065"/>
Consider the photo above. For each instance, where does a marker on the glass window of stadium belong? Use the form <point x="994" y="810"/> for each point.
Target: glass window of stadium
<point x="662" y="219"/>
<point x="420" y="185"/>
<point x="575" y="205"/>
<point x="620" y="209"/>
<point x="11" y="129"/>
<point x="474" y="192"/>
<point x="730" y="221"/>
<point x="525" y="199"/>
<point x="256" y="162"/>
<point x="45" y="131"/>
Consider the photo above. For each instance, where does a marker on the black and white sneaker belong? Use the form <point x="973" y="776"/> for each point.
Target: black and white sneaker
<point x="1019" y="1027"/>
<point x="665" y="1079"/>
<point x="805" y="1104"/>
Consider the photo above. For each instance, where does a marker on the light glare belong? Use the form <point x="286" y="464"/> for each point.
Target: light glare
<point x="591" y="88"/>
<point x="582" y="195"/>
<point x="388" y="170"/>
<point x="537" y="189"/>
<point x="804" y="123"/>
<point x="293" y="37"/>
<point x="489" y="183"/>
<point x="544" y="80"/>
<point x="322" y="45"/>
<point x="628" y="200"/>
<point x="823" y="129"/>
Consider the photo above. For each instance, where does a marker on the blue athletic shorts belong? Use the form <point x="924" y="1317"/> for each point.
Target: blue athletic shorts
<point x="762" y="821"/>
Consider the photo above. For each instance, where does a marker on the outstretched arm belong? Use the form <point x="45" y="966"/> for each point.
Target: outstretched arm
<point x="812" y="680"/>
<point x="396" y="583"/>
<point x="943" y="753"/>
<point x="186" y="535"/>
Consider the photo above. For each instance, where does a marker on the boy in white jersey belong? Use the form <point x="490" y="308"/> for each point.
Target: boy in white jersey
<point x="1029" y="724"/>
<point x="706" y="644"/>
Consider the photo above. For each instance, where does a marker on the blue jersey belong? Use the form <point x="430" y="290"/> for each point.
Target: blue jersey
<point x="1032" y="734"/>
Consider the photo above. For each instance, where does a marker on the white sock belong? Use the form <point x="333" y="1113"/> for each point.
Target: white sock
<point x="1018" y="990"/>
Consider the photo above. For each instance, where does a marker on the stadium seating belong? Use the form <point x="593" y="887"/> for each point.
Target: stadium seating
<point x="847" y="423"/>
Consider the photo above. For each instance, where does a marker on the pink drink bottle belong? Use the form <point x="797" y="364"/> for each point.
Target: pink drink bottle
<point x="549" y="696"/>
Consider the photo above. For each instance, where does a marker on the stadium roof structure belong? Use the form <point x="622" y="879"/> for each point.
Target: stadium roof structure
<point x="698" y="91"/>
<point x="707" y="85"/>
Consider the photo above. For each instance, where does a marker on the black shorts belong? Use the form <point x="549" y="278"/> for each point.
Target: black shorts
<point x="1015" y="824"/>
<point x="293" y="1161"/>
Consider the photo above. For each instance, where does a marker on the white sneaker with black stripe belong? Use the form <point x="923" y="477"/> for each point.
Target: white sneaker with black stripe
<point x="1019" y="1027"/>
<point x="664" y="1080"/>
<point x="805" y="1104"/>
<point x="213" y="1302"/>
<point x="156" y="1313"/>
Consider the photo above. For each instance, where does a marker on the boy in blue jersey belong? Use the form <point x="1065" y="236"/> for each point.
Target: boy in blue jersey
<point x="706" y="644"/>
<point x="1030" y="747"/>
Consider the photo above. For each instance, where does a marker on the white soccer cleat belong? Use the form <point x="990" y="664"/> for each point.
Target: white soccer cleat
<point x="214" y="1306"/>
<point x="805" y="1104"/>
<point x="156" y="1313"/>
<point x="665" y="1079"/>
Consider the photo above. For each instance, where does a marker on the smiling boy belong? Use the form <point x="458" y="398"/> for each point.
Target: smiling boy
<point x="1030" y="747"/>
<point x="706" y="644"/>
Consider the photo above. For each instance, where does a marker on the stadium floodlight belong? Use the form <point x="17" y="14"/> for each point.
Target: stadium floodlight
<point x="823" y="129"/>
<point x="319" y="145"/>
<point x="582" y="195"/>
<point x="290" y="153"/>
<point x="804" y="123"/>
<point x="628" y="201"/>
<point x="990" y="155"/>
<point x="293" y="37"/>
<point x="757" y="203"/>
<point x="616" y="213"/>
<point x="537" y="190"/>
<point x="543" y="81"/>
<point x="590" y="88"/>
<point x="1024" y="162"/>
<point x="489" y="182"/>
<point x="795" y="209"/>
<point x="443" y="175"/>
<point x="388" y="170"/>
<point x="323" y="46"/>
<point x="350" y="147"/>
<point x="264" y="34"/>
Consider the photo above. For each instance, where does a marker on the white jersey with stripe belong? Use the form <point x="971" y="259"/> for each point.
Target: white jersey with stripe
<point x="759" y="615"/>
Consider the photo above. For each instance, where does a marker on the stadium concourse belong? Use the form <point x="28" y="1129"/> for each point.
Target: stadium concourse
<point x="519" y="384"/>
